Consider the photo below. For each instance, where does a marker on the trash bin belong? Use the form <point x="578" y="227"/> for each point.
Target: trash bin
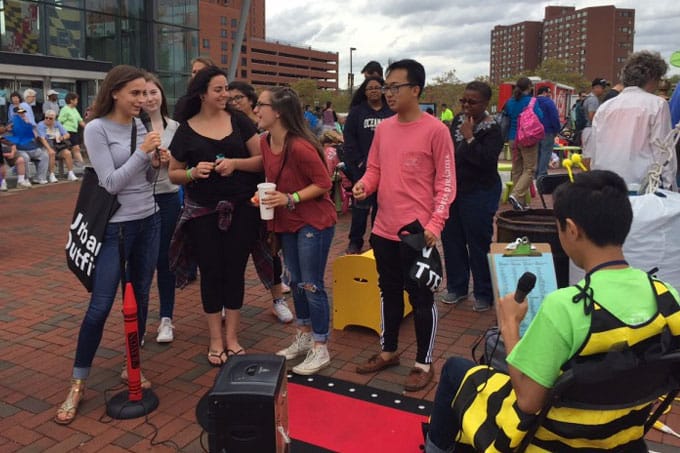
<point x="538" y="225"/>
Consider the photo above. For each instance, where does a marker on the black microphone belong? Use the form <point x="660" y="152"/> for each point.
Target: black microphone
<point x="146" y="121"/>
<point x="524" y="286"/>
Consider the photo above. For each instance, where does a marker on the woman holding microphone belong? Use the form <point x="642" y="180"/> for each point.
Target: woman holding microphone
<point x="123" y="155"/>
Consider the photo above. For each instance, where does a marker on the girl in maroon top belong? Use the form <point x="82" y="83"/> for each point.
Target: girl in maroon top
<point x="304" y="217"/>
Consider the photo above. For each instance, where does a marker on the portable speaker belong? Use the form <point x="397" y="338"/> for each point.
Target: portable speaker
<point x="247" y="408"/>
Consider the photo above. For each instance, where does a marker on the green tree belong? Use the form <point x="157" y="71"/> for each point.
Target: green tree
<point x="559" y="71"/>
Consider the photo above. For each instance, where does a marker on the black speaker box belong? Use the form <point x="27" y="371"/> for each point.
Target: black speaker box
<point x="247" y="408"/>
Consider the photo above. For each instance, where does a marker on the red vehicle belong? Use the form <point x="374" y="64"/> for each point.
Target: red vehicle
<point x="561" y="94"/>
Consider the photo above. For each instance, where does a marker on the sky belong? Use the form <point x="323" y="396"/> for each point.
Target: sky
<point x="442" y="35"/>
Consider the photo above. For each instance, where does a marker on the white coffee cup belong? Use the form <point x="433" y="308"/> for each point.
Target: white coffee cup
<point x="266" y="213"/>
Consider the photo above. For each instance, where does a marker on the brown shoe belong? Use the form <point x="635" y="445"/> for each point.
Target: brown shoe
<point x="418" y="379"/>
<point x="377" y="363"/>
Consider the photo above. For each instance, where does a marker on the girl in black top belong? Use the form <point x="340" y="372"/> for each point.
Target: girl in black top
<point x="216" y="154"/>
<point x="468" y="231"/>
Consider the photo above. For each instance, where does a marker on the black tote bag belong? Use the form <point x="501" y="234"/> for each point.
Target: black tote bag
<point x="426" y="269"/>
<point x="94" y="209"/>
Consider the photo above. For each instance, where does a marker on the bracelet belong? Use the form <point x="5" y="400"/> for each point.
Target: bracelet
<point x="291" y="204"/>
<point x="190" y="177"/>
<point x="296" y="197"/>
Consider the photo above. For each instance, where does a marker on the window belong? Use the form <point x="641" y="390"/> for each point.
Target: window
<point x="206" y="43"/>
<point x="234" y="23"/>
<point x="224" y="45"/>
<point x="224" y="59"/>
<point x="223" y="33"/>
<point x="223" y="20"/>
<point x="244" y="73"/>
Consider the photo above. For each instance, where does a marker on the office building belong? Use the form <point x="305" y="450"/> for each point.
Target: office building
<point x="593" y="41"/>
<point x="261" y="62"/>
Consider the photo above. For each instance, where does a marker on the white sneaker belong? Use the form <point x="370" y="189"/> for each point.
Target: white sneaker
<point x="165" y="331"/>
<point x="316" y="360"/>
<point x="52" y="178"/>
<point x="42" y="182"/>
<point x="25" y="184"/>
<point x="71" y="176"/>
<point x="3" y="186"/>
<point x="301" y="345"/>
<point x="281" y="311"/>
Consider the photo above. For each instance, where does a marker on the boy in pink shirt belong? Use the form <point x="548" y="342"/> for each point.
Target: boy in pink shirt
<point x="412" y="167"/>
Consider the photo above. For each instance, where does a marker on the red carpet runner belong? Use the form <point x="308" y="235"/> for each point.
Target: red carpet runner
<point x="334" y="415"/>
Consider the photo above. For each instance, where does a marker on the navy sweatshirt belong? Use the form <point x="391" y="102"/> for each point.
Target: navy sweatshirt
<point x="358" y="132"/>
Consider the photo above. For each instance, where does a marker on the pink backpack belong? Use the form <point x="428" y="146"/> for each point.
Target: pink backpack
<point x="529" y="128"/>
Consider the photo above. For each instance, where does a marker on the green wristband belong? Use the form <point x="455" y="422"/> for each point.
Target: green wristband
<point x="296" y="197"/>
<point x="190" y="177"/>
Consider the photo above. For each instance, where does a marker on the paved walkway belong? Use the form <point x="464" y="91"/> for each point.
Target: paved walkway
<point x="42" y="305"/>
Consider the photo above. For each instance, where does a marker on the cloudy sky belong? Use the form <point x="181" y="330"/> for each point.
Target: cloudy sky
<point x="443" y="35"/>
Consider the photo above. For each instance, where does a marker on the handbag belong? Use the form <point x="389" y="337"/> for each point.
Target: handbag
<point x="426" y="269"/>
<point x="94" y="208"/>
<point x="493" y="354"/>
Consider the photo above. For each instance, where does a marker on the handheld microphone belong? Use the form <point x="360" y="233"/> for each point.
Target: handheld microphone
<point x="146" y="121"/>
<point x="524" y="286"/>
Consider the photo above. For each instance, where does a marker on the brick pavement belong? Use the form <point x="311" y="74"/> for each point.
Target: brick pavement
<point x="41" y="307"/>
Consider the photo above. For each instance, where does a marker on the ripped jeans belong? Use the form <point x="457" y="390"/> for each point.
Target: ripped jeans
<point x="306" y="253"/>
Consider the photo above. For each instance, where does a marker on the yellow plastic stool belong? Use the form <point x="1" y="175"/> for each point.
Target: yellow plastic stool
<point x="356" y="296"/>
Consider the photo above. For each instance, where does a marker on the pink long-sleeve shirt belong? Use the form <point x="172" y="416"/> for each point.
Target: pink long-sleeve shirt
<point x="412" y="167"/>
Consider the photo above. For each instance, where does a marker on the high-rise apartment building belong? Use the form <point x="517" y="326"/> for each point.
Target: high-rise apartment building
<point x="593" y="41"/>
<point x="261" y="62"/>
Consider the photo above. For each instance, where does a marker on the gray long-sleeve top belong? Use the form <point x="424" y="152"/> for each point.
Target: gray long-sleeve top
<point x="126" y="175"/>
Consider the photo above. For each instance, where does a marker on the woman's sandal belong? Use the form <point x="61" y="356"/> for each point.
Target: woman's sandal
<point x="69" y="408"/>
<point x="231" y="352"/>
<point x="221" y="356"/>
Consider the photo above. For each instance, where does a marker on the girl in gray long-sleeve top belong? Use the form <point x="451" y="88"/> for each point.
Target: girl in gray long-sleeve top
<point x="125" y="161"/>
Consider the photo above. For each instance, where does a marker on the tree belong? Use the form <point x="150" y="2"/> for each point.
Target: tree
<point x="560" y="71"/>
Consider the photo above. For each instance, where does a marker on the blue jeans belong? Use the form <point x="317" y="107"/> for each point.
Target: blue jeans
<point x="545" y="150"/>
<point x="141" y="251"/>
<point x="443" y="422"/>
<point x="169" y="206"/>
<point x="306" y="253"/>
<point x="466" y="239"/>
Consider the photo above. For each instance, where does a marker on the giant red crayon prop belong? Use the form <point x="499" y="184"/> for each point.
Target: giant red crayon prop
<point x="134" y="402"/>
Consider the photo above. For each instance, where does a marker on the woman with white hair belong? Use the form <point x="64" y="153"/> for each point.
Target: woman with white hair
<point x="627" y="129"/>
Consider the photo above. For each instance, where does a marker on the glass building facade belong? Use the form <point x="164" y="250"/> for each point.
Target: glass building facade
<point x="69" y="45"/>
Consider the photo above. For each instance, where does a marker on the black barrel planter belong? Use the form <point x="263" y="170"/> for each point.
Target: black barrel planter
<point x="538" y="225"/>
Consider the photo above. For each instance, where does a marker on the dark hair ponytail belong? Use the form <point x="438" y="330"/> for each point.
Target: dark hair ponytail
<point x="521" y="86"/>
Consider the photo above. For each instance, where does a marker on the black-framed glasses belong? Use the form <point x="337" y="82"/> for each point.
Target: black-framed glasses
<point x="468" y="101"/>
<point x="394" y="89"/>
<point x="236" y="98"/>
<point x="262" y="104"/>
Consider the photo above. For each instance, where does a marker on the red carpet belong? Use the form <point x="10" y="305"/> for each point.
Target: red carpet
<point x="326" y="417"/>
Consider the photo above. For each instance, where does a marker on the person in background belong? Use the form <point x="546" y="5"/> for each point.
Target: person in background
<point x="551" y="126"/>
<point x="15" y="159"/>
<point x="628" y="128"/>
<point x="197" y="64"/>
<point x="135" y="226"/>
<point x="360" y="126"/>
<point x="446" y="116"/>
<point x="216" y="155"/>
<point x="372" y="69"/>
<point x="628" y="312"/>
<point x="412" y="167"/>
<point x="311" y="118"/>
<point x="269" y="268"/>
<point x="524" y="159"/>
<point x="590" y="105"/>
<point x="329" y="117"/>
<point x="468" y="232"/>
<point x="52" y="102"/>
<point x="166" y="195"/>
<point x="70" y="118"/>
<point x="55" y="141"/>
<point x="33" y="108"/>
<point x="613" y="92"/>
<point x="15" y="102"/>
<point x="304" y="217"/>
<point x="25" y="138"/>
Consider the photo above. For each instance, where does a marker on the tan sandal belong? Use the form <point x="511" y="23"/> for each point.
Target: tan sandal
<point x="146" y="384"/>
<point x="69" y="408"/>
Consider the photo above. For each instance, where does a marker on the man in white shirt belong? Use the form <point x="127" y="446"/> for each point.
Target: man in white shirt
<point x="628" y="128"/>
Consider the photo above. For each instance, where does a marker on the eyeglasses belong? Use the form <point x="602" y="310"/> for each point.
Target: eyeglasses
<point x="262" y="104"/>
<point x="468" y="101"/>
<point x="394" y="89"/>
<point x="236" y="98"/>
